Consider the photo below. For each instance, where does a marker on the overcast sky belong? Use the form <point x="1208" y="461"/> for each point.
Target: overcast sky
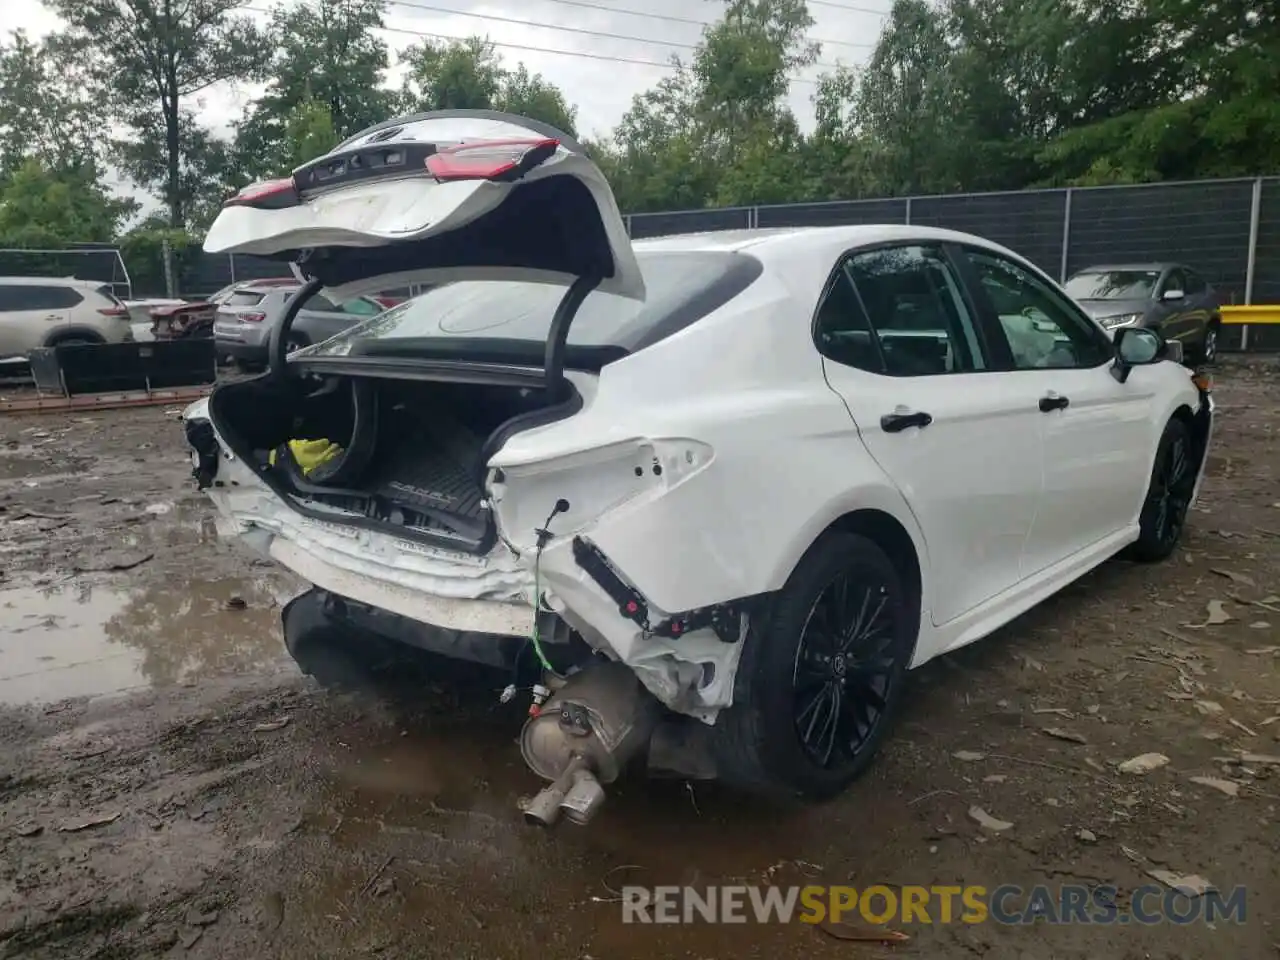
<point x="592" y="69"/>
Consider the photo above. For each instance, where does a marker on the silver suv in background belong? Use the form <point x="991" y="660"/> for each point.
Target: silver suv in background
<point x="244" y="321"/>
<point x="54" y="311"/>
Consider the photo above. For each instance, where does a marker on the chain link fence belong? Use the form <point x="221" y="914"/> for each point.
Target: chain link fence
<point x="1229" y="230"/>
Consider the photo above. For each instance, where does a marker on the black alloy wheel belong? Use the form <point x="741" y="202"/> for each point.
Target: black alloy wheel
<point x="844" y="668"/>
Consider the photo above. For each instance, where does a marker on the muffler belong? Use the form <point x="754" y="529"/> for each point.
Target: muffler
<point x="583" y="737"/>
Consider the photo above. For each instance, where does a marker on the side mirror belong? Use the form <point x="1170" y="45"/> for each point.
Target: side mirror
<point x="1173" y="294"/>
<point x="1136" y="347"/>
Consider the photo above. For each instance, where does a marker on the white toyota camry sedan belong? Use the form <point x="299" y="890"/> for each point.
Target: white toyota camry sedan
<point x="707" y="499"/>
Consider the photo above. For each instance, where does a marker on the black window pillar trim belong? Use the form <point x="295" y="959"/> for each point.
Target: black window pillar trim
<point x="558" y="335"/>
<point x="278" y="344"/>
<point x="987" y="321"/>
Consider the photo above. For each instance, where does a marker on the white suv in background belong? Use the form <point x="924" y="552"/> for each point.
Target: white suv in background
<point x="51" y="311"/>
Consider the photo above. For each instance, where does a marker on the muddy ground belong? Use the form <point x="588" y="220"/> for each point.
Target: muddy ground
<point x="152" y="804"/>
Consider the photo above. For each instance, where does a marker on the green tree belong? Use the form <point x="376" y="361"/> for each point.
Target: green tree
<point x="451" y="75"/>
<point x="470" y="75"/>
<point x="530" y="95"/>
<point x="46" y="109"/>
<point x="329" y="63"/>
<point x="904" y="100"/>
<point x="309" y="132"/>
<point x="1210" y="108"/>
<point x="46" y="208"/>
<point x="718" y="130"/>
<point x="205" y="174"/>
<point x="151" y="58"/>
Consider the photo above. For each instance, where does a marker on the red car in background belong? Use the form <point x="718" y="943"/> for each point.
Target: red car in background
<point x="195" y="319"/>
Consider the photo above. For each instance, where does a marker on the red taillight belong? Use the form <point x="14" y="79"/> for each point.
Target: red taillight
<point x="252" y="317"/>
<point x="119" y="312"/>
<point x="269" y="195"/>
<point x="489" y="159"/>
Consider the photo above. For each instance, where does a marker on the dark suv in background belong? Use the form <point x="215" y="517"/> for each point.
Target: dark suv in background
<point x="1168" y="297"/>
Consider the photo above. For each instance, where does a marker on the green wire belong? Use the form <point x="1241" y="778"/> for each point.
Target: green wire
<point x="537" y="604"/>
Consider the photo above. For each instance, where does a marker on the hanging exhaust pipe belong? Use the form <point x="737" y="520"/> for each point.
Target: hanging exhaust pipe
<point x="585" y="735"/>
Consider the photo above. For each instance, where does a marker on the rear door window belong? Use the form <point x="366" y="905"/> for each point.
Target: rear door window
<point x="40" y="297"/>
<point x="899" y="311"/>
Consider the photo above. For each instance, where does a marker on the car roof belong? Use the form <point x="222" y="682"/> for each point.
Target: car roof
<point x="797" y="238"/>
<point x="266" y="288"/>
<point x="56" y="281"/>
<point x="1153" y="265"/>
<point x="789" y="247"/>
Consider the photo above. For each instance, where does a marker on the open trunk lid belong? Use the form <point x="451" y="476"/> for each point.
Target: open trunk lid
<point x="437" y="197"/>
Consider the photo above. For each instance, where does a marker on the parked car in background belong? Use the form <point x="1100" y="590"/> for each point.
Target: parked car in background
<point x="245" y="318"/>
<point x="56" y="311"/>
<point x="140" y="309"/>
<point x="1168" y="297"/>
<point x="182" y="319"/>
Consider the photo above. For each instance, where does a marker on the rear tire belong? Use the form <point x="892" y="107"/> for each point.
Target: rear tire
<point x="821" y="676"/>
<point x="79" y="341"/>
<point x="1173" y="480"/>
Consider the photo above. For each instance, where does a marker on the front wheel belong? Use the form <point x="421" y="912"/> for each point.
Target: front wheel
<point x="1173" y="481"/>
<point x="1207" y="351"/>
<point x="821" y="675"/>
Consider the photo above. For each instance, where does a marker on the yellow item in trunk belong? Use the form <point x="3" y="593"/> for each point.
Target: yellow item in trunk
<point x="310" y="454"/>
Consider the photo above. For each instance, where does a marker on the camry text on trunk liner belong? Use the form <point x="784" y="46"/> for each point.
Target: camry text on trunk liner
<point x="707" y="498"/>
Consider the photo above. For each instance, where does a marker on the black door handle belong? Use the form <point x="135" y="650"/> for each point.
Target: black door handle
<point x="897" y="422"/>
<point x="1053" y="403"/>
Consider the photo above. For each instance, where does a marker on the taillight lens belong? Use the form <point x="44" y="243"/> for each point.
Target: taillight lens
<point x="490" y="159"/>
<point x="119" y="312"/>
<point x="269" y="195"/>
<point x="252" y="317"/>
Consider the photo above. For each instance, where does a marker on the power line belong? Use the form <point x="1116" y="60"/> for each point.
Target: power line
<point x="581" y="31"/>
<point x="852" y="9"/>
<point x="665" y="17"/>
<point x="664" y="65"/>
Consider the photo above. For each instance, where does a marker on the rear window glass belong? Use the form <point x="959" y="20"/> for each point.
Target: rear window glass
<point x="680" y="288"/>
<point x="106" y="291"/>
<point x="243" y="298"/>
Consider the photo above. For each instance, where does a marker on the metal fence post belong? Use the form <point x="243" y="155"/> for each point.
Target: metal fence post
<point x="628" y="219"/>
<point x="166" y="251"/>
<point x="1066" y="235"/>
<point x="907" y="221"/>
<point x="231" y="266"/>
<point x="1255" y="214"/>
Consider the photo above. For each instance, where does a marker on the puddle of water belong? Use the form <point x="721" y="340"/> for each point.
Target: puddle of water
<point x="80" y="640"/>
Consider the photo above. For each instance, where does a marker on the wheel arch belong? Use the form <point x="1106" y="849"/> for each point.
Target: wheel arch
<point x="896" y="533"/>
<point x="64" y="333"/>
<point x="892" y="537"/>
<point x="1198" y="426"/>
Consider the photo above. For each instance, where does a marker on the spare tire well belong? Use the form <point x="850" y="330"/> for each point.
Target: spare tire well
<point x="893" y="539"/>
